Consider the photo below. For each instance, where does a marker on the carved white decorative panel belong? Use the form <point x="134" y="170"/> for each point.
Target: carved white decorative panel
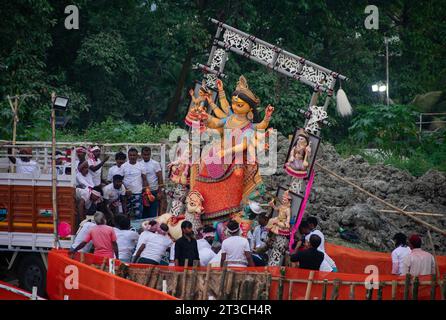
<point x="317" y="115"/>
<point x="262" y="52"/>
<point x="236" y="40"/>
<point x="217" y="59"/>
<point x="317" y="76"/>
<point x="288" y="63"/>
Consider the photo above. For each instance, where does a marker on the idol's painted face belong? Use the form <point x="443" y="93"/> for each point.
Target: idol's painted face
<point x="239" y="106"/>
<point x="302" y="141"/>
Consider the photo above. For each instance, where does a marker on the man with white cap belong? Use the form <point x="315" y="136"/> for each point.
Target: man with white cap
<point x="235" y="249"/>
<point x="95" y="165"/>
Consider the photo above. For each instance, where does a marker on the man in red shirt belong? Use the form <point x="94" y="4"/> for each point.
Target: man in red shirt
<point x="103" y="238"/>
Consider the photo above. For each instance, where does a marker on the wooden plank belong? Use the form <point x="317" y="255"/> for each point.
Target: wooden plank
<point x="222" y="281"/>
<point x="380" y="292"/>
<point x="394" y="287"/>
<point x="280" y="286"/>
<point x="324" y="290"/>
<point x="352" y="292"/>
<point x="193" y="280"/>
<point x="416" y="284"/>
<point x="309" y="285"/>
<point x="290" y="290"/>
<point x="183" y="285"/>
<point x="406" y="287"/>
<point x="148" y="276"/>
<point x="433" y="285"/>
<point x="176" y="275"/>
<point x="228" y="289"/>
<point x="335" y="292"/>
<point x="206" y="283"/>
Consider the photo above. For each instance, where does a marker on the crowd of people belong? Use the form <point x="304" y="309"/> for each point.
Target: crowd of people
<point x="134" y="187"/>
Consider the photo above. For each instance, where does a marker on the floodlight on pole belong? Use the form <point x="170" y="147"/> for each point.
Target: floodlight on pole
<point x="375" y="88"/>
<point x="61" y="104"/>
<point x="382" y="88"/>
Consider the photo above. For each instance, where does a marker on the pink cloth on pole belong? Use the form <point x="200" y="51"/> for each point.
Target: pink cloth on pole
<point x="302" y="209"/>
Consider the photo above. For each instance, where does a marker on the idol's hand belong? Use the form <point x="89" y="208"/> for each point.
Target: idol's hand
<point x="269" y="111"/>
<point x="219" y="84"/>
<point x="191" y="92"/>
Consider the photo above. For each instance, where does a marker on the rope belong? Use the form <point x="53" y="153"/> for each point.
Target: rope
<point x="417" y="220"/>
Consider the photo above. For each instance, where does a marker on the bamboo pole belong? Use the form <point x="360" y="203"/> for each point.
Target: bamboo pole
<point x="229" y="283"/>
<point x="54" y="173"/>
<point x="443" y="288"/>
<point x="418" y="220"/>
<point x="406" y="287"/>
<point x="394" y="287"/>
<point x="193" y="279"/>
<point x="380" y="292"/>
<point x="324" y="290"/>
<point x="428" y="214"/>
<point x="433" y="285"/>
<point x="175" y="283"/>
<point x="290" y="291"/>
<point x="280" y="286"/>
<point x="206" y="282"/>
<point x="369" y="292"/>
<point x="268" y="283"/>
<point x="416" y="284"/>
<point x="154" y="278"/>
<point x="309" y="285"/>
<point x="352" y="292"/>
<point x="222" y="280"/>
<point x="335" y="292"/>
<point x="437" y="267"/>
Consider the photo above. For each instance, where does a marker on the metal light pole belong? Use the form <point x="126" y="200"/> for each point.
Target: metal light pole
<point x="386" y="42"/>
<point x="54" y="173"/>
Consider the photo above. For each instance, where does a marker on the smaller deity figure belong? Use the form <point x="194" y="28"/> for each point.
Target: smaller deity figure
<point x="194" y="209"/>
<point x="297" y="163"/>
<point x="279" y="231"/>
<point x="197" y="112"/>
<point x="280" y="225"/>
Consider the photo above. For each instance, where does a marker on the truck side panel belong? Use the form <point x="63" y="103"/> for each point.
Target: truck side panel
<point x="29" y="208"/>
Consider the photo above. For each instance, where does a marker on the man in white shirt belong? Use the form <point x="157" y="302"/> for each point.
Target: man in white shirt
<point x="152" y="246"/>
<point x="312" y="223"/>
<point x="87" y="201"/>
<point x="95" y="165"/>
<point x="204" y="244"/>
<point x="235" y="249"/>
<point x="126" y="238"/>
<point x="134" y="180"/>
<point x="154" y="178"/>
<point x="120" y="159"/>
<point x="114" y="196"/>
<point x="399" y="253"/>
<point x="84" y="228"/>
<point x="81" y="156"/>
<point x="24" y="164"/>
<point x="83" y="176"/>
<point x="418" y="262"/>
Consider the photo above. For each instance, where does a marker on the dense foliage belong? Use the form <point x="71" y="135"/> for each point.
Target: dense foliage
<point x="131" y="61"/>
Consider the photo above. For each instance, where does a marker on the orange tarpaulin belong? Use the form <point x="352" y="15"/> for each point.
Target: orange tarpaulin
<point x="349" y="260"/>
<point x="80" y="281"/>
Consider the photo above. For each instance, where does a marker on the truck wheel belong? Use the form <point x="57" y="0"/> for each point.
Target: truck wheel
<point x="32" y="273"/>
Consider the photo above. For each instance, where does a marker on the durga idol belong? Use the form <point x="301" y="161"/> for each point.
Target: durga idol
<point x="227" y="183"/>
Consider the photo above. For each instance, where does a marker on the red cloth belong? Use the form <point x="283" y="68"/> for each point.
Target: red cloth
<point x="103" y="237"/>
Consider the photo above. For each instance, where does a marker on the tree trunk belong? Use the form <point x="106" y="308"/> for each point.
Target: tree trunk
<point x="172" y="110"/>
